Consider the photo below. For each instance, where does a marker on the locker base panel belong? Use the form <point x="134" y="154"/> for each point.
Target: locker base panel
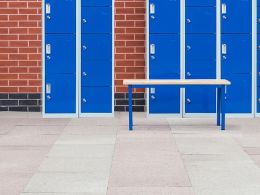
<point x="96" y="115"/>
<point x="44" y="115"/>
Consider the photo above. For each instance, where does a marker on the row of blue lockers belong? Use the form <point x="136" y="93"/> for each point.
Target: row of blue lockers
<point x="200" y="54"/>
<point x="61" y="55"/>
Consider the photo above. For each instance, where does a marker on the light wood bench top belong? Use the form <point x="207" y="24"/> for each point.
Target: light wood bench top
<point x="177" y="82"/>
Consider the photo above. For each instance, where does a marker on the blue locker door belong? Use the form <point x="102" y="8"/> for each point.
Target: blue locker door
<point x="162" y="11"/>
<point x="96" y="47"/>
<point x="96" y="73"/>
<point x="60" y="16"/>
<point x="237" y="16"/>
<point x="96" y="2"/>
<point x="60" y="54"/>
<point x="258" y="99"/>
<point x="258" y="17"/>
<point x="164" y="56"/>
<point x="96" y="20"/>
<point x="236" y="53"/>
<point x="200" y="64"/>
<point x="200" y="20"/>
<point x="96" y="100"/>
<point x="60" y="93"/>
<point x="200" y="100"/>
<point x="200" y="3"/>
<point x="164" y="100"/>
<point x="258" y="60"/>
<point x="239" y="93"/>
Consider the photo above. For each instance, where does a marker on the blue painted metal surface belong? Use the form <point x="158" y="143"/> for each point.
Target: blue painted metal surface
<point x="162" y="11"/>
<point x="200" y="3"/>
<point x="164" y="100"/>
<point x="238" y="16"/>
<point x="238" y="57"/>
<point x="96" y="73"/>
<point x="96" y="3"/>
<point x="200" y="20"/>
<point x="96" y="20"/>
<point x="62" y="95"/>
<point x="96" y="47"/>
<point x="96" y="100"/>
<point x="239" y="98"/>
<point x="60" y="54"/>
<point x="60" y="16"/>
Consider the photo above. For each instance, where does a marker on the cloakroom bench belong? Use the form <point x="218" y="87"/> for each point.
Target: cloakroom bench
<point x="219" y="84"/>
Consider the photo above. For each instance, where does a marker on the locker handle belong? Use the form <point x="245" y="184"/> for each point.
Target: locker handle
<point x="188" y="21"/>
<point x="152" y="97"/>
<point x="84" y="21"/>
<point x="224" y="8"/>
<point x="188" y="74"/>
<point x="188" y="101"/>
<point x="84" y="74"/>
<point x="224" y="49"/>
<point x="152" y="49"/>
<point x="84" y="100"/>
<point x="188" y="47"/>
<point x="48" y="49"/>
<point x="48" y="97"/>
<point x="48" y="88"/>
<point x="48" y="8"/>
<point x="152" y="8"/>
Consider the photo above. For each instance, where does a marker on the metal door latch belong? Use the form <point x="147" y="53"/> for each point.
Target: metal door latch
<point x="188" y="101"/>
<point x="84" y="74"/>
<point x="188" y="47"/>
<point x="188" y="21"/>
<point x="188" y="74"/>
<point x="84" y="100"/>
<point x="48" y="97"/>
<point x="84" y="21"/>
<point x="84" y="47"/>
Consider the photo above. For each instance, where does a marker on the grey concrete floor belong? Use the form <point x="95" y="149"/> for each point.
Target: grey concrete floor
<point x="99" y="156"/>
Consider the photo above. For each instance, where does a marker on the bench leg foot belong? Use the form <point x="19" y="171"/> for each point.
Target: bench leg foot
<point x="218" y="105"/>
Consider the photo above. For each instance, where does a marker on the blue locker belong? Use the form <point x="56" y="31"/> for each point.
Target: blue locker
<point x="237" y="16"/>
<point x="60" y="16"/>
<point x="239" y="93"/>
<point x="200" y="47"/>
<point x="96" y="20"/>
<point x="200" y="3"/>
<point x="164" y="56"/>
<point x="164" y="100"/>
<point x="200" y="20"/>
<point x="96" y="100"/>
<point x="258" y="60"/>
<point x="258" y="99"/>
<point x="96" y="2"/>
<point x="96" y="73"/>
<point x="200" y="100"/>
<point x="60" y="54"/>
<point x="162" y="11"/>
<point x="236" y="53"/>
<point x="96" y="47"/>
<point x="60" y="93"/>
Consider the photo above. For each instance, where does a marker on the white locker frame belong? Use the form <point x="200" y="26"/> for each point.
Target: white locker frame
<point x="78" y="113"/>
<point x="182" y="113"/>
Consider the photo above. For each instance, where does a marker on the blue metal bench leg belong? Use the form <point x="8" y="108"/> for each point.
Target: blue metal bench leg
<point x="218" y="105"/>
<point x="223" y="109"/>
<point x="130" y="109"/>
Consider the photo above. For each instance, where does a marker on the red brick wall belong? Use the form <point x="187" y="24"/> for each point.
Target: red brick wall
<point x="129" y="41"/>
<point x="20" y="44"/>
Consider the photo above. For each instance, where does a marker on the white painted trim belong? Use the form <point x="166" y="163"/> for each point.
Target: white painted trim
<point x="43" y="58"/>
<point x="165" y="116"/>
<point x="254" y="57"/>
<point x="78" y="55"/>
<point x="147" y="63"/>
<point x="204" y="115"/>
<point x="60" y="115"/>
<point x="257" y="115"/>
<point x="81" y="114"/>
<point x="183" y="54"/>
<point x="96" y="115"/>
<point x="242" y="115"/>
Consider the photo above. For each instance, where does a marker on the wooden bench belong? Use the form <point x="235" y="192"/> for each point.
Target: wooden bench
<point x="219" y="84"/>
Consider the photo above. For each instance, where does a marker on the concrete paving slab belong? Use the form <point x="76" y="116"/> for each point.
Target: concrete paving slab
<point x="37" y="130"/>
<point x="96" y="130"/>
<point x="44" y="121"/>
<point x="100" y="166"/>
<point x="86" y="139"/>
<point x="13" y="184"/>
<point x="150" y="191"/>
<point x="82" y="151"/>
<point x="21" y="160"/>
<point x="27" y="140"/>
<point x="67" y="182"/>
<point x="256" y="159"/>
<point x="97" y="121"/>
